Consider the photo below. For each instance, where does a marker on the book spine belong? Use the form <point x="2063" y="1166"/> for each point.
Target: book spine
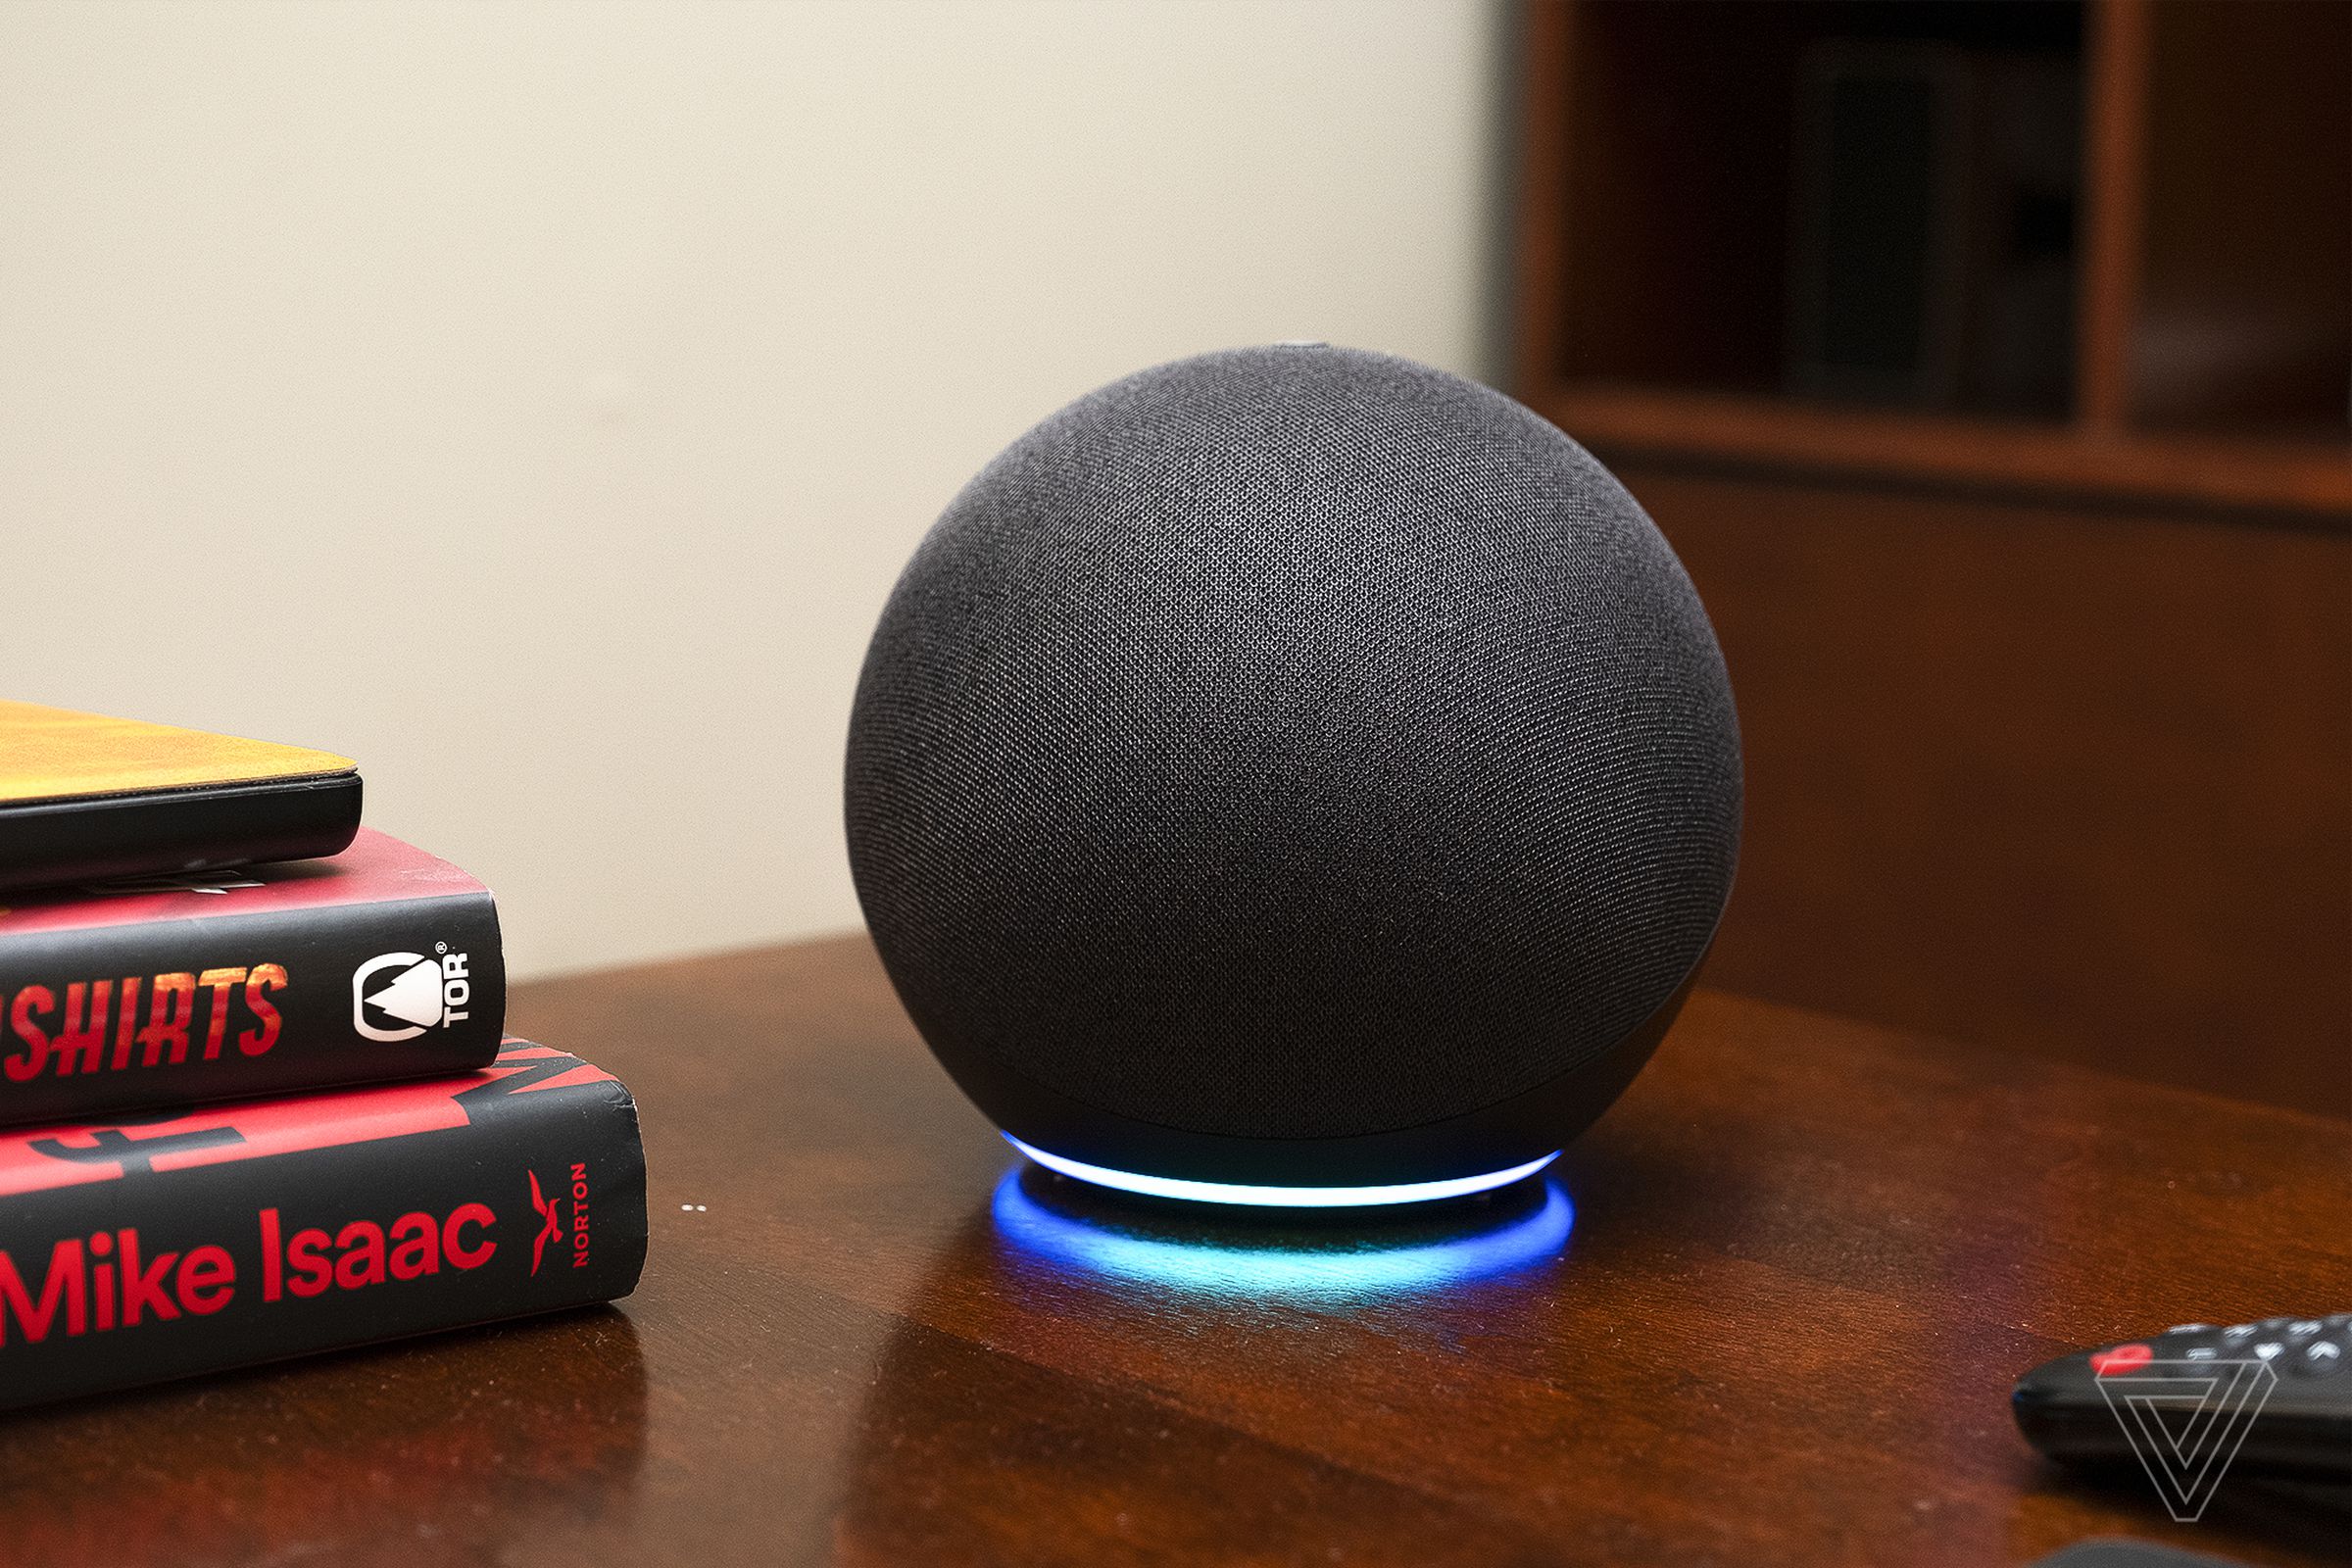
<point x="535" y="1202"/>
<point x="105" y="1019"/>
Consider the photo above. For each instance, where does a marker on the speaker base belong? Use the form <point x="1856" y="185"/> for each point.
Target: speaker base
<point x="1281" y="1196"/>
<point x="1523" y="1130"/>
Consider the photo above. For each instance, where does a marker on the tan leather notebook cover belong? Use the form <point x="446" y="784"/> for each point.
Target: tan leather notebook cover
<point x="54" y="754"/>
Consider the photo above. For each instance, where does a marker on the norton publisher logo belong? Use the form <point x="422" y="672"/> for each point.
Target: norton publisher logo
<point x="399" y="996"/>
<point x="551" y="1218"/>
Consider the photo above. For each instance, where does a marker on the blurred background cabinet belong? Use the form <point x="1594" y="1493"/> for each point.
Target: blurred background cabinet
<point x="1990" y="366"/>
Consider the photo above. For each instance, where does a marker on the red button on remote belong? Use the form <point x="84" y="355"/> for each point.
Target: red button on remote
<point x="2122" y="1359"/>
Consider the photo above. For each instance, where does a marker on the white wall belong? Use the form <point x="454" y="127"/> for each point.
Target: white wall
<point x="535" y="402"/>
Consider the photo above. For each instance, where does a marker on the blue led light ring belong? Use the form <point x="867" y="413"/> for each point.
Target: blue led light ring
<point x="1209" y="1268"/>
<point x="1281" y="1196"/>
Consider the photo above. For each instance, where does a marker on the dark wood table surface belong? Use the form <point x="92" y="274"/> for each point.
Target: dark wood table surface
<point x="1807" y="1260"/>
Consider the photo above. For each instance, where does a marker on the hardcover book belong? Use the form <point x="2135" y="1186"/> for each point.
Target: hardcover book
<point x="382" y="962"/>
<point x="138" y="1252"/>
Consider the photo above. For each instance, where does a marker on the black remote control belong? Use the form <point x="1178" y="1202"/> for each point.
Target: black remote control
<point x="2271" y="1399"/>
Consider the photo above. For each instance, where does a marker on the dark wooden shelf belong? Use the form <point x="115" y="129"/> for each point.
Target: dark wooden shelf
<point x="1774" y="432"/>
<point x="2061" y="675"/>
<point x="2212" y="322"/>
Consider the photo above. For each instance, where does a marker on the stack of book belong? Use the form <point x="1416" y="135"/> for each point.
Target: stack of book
<point x="254" y="1113"/>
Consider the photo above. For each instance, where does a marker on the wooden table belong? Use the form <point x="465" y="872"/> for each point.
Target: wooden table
<point x="1807" y="1260"/>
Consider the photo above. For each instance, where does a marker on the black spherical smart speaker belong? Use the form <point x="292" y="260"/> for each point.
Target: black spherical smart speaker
<point x="1294" y="775"/>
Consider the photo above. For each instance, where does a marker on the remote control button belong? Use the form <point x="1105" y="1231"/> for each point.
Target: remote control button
<point x="2318" y="1358"/>
<point x="2269" y="1350"/>
<point x="2122" y="1359"/>
<point x="2303" y="1328"/>
<point x="2190" y="1328"/>
<point x="2238" y="1331"/>
<point x="2200" y="1352"/>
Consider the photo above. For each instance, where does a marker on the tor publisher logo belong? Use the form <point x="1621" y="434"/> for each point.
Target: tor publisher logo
<point x="571" y="1238"/>
<point x="400" y="995"/>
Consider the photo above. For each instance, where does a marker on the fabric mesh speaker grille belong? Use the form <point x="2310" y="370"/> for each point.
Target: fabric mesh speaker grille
<point x="1291" y="743"/>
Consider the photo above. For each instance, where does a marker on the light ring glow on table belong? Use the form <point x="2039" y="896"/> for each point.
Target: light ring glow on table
<point x="1281" y="1196"/>
<point x="1199" y="1264"/>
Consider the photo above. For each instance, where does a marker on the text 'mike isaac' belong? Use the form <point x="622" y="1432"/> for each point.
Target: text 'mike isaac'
<point x="190" y="1239"/>
<point x="107" y="1282"/>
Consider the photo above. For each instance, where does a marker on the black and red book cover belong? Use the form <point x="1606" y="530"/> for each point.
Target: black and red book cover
<point x="380" y="963"/>
<point x="133" y="1252"/>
